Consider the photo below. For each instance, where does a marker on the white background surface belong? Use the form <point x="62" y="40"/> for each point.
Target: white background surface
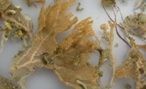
<point x="45" y="79"/>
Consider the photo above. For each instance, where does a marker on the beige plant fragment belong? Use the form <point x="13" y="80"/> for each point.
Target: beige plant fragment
<point x="69" y="59"/>
<point x="107" y="53"/>
<point x="13" y="23"/>
<point x="134" y="67"/>
<point x="136" y="24"/>
<point x="8" y="84"/>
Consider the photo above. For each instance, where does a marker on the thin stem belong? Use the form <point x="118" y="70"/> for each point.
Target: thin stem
<point x="116" y="26"/>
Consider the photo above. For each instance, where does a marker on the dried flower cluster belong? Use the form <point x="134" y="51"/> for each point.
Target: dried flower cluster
<point x="13" y="23"/>
<point x="69" y="59"/>
<point x="135" y="24"/>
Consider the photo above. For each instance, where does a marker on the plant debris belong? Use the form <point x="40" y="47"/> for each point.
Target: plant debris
<point x="135" y="25"/>
<point x="133" y="67"/>
<point x="79" y="8"/>
<point x="14" y="23"/>
<point x="140" y="5"/>
<point x="8" y="84"/>
<point x="116" y="45"/>
<point x="107" y="53"/>
<point x="69" y="60"/>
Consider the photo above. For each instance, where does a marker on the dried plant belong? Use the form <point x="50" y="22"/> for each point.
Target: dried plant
<point x="135" y="24"/>
<point x="108" y="3"/>
<point x="134" y="67"/>
<point x="107" y="53"/>
<point x="79" y="8"/>
<point x="69" y="59"/>
<point x="14" y="23"/>
<point x="7" y="84"/>
<point x="140" y="5"/>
